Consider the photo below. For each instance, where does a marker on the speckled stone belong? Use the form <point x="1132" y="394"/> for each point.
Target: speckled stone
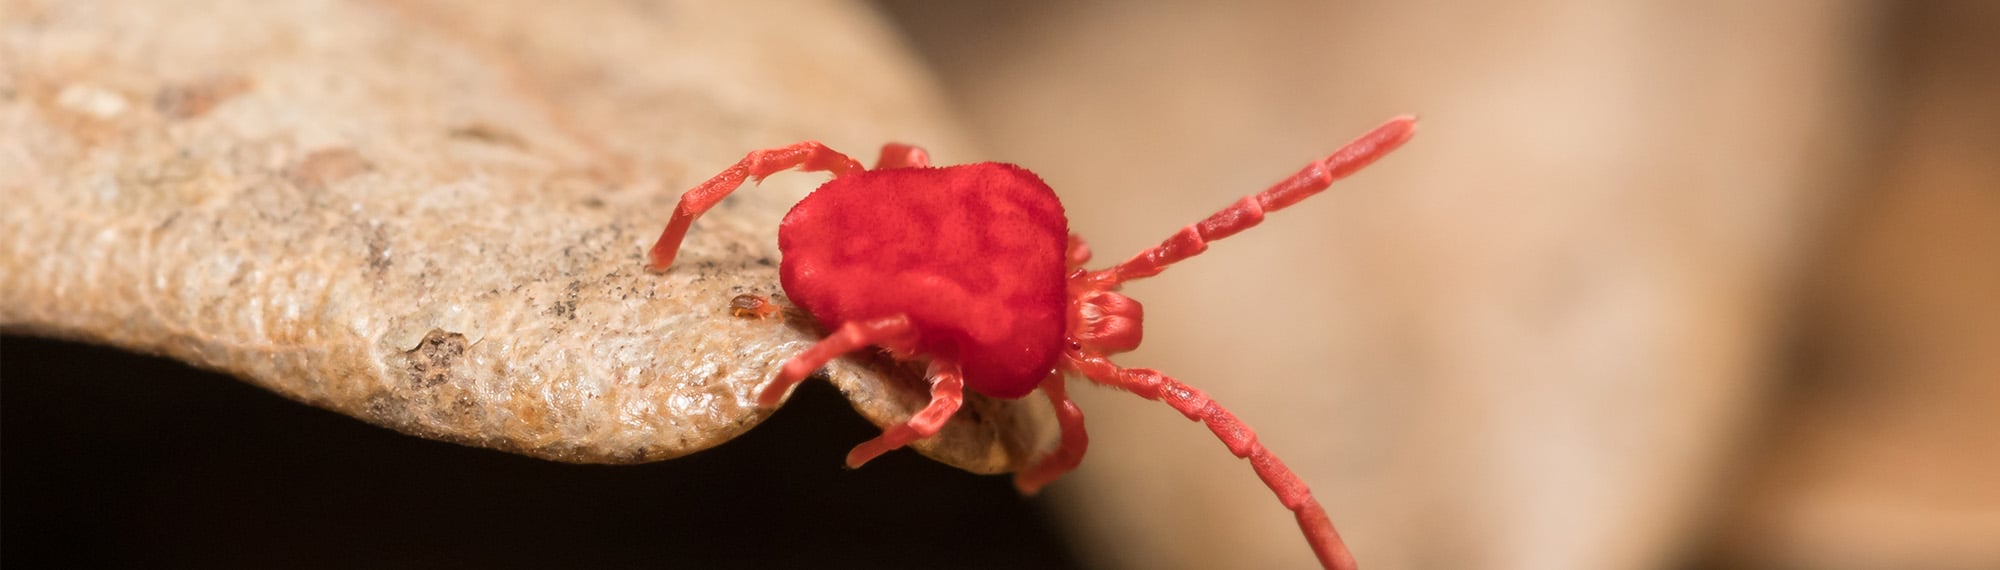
<point x="431" y="216"/>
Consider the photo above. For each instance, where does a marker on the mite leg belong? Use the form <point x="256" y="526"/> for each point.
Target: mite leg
<point x="899" y="155"/>
<point x="1152" y="385"/>
<point x="1250" y="210"/>
<point x="947" y="394"/>
<point x="1074" y="440"/>
<point x="891" y="331"/>
<point x="808" y="156"/>
<point x="1078" y="253"/>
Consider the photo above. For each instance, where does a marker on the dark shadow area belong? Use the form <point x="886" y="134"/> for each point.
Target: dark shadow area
<point x="117" y="459"/>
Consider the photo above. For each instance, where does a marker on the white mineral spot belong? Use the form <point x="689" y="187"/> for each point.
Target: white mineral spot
<point x="97" y="102"/>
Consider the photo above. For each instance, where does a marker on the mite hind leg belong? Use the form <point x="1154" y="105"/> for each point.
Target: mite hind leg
<point x="807" y="156"/>
<point x="947" y="394"/>
<point x="894" y="333"/>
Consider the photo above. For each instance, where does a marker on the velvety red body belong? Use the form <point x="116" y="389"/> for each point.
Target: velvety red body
<point x="973" y="253"/>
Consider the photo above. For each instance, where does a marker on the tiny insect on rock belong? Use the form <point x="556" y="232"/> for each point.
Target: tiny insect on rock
<point x="971" y="269"/>
<point x="752" y="306"/>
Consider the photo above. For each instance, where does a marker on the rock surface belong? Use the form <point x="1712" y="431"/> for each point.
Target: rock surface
<point x="431" y="215"/>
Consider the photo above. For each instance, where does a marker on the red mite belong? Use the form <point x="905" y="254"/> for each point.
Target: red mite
<point x="972" y="267"/>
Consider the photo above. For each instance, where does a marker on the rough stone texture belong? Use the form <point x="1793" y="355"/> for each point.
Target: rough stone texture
<point x="431" y="215"/>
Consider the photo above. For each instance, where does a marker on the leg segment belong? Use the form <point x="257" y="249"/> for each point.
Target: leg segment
<point x="808" y="156"/>
<point x="899" y="155"/>
<point x="947" y="393"/>
<point x="1074" y="440"/>
<point x="1250" y="210"/>
<point x="1078" y="253"/>
<point x="1241" y="440"/>
<point x="892" y="331"/>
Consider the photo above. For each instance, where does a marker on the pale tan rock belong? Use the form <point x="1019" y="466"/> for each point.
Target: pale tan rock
<point x="431" y="215"/>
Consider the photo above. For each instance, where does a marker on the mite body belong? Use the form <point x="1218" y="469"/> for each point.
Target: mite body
<point x="972" y="269"/>
<point x="752" y="306"/>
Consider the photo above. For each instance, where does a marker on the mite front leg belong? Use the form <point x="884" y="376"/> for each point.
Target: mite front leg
<point x="899" y="155"/>
<point x="891" y="331"/>
<point x="1241" y="440"/>
<point x="807" y="156"/>
<point x="1074" y="440"/>
<point x="947" y="394"/>
<point x="1077" y="253"/>
<point x="1250" y="210"/>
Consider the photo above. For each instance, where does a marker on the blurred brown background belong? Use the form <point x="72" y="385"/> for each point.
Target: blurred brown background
<point x="1659" y="283"/>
